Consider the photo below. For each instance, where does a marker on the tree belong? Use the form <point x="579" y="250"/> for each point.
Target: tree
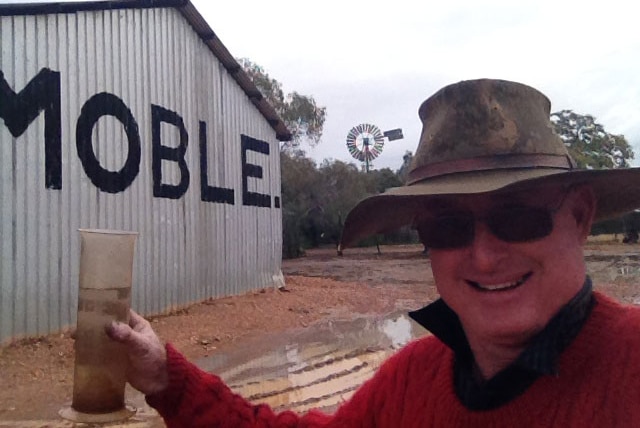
<point x="403" y="172"/>
<point x="382" y="179"/>
<point x="588" y="142"/>
<point x="316" y="199"/>
<point x="300" y="113"/>
<point x="300" y="193"/>
<point x="343" y="186"/>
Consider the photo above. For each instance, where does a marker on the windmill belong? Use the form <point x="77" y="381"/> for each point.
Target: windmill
<point x="365" y="142"/>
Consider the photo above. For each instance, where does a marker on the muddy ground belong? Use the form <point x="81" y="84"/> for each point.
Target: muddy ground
<point x="36" y="375"/>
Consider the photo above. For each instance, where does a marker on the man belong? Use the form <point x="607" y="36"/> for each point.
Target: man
<point x="520" y="338"/>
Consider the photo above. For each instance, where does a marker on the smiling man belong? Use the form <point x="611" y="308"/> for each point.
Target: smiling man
<point x="504" y="212"/>
<point x="510" y="275"/>
<point x="519" y="336"/>
<point x="507" y="264"/>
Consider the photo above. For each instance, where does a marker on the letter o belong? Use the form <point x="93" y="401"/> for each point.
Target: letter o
<point x="97" y="106"/>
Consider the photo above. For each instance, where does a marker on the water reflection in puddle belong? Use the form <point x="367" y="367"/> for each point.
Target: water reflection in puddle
<point x="318" y="367"/>
<point x="628" y="271"/>
<point x="616" y="274"/>
<point x="623" y="267"/>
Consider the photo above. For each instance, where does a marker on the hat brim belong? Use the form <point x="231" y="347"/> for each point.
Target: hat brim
<point x="617" y="192"/>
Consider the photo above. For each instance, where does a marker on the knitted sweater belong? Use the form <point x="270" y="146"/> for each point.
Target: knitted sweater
<point x="598" y="385"/>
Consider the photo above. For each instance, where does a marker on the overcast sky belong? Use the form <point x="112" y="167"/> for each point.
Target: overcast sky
<point x="376" y="61"/>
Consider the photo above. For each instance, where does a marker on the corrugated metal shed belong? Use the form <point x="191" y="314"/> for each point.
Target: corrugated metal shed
<point x="130" y="115"/>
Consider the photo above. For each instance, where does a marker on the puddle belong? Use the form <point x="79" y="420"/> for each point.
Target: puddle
<point x="318" y="367"/>
<point x="624" y="267"/>
<point x="627" y="271"/>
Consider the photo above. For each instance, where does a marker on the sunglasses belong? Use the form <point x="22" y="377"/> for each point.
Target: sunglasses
<point x="510" y="224"/>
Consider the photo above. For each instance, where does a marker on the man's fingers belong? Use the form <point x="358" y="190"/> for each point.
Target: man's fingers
<point x="124" y="333"/>
<point x="137" y="344"/>
<point x="118" y="331"/>
<point x="137" y="322"/>
<point x="147" y="356"/>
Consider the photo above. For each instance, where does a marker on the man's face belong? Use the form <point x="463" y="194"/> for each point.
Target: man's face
<point x="507" y="291"/>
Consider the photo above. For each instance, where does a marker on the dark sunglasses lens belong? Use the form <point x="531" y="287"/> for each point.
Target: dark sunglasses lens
<point x="521" y="224"/>
<point x="447" y="232"/>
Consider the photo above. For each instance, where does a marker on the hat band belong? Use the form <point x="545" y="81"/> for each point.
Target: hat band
<point x="490" y="162"/>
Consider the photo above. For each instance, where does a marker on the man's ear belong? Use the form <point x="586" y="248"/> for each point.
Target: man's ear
<point x="584" y="209"/>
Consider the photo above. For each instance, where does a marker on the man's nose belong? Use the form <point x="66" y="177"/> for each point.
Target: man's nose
<point x="487" y="250"/>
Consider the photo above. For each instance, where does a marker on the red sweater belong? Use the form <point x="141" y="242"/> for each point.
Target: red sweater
<point x="598" y="385"/>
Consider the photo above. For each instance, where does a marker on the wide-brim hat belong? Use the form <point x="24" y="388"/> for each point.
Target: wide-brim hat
<point x="482" y="136"/>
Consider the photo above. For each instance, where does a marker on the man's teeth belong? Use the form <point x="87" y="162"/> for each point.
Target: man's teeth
<point x="503" y="286"/>
<point x="499" y="286"/>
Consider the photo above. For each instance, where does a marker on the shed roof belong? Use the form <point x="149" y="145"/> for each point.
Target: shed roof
<point x="196" y="21"/>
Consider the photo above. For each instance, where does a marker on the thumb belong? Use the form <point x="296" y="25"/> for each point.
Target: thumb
<point x="118" y="331"/>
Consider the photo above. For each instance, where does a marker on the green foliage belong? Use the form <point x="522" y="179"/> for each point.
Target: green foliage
<point x="316" y="199"/>
<point x="382" y="179"/>
<point x="403" y="172"/>
<point x="300" y="113"/>
<point x="299" y="181"/>
<point x="619" y="225"/>
<point x="588" y="142"/>
<point x="343" y="186"/>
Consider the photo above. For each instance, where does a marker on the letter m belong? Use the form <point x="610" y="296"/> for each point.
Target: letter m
<point x="19" y="110"/>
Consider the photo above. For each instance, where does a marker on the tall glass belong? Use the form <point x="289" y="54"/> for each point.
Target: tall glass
<point x="106" y="268"/>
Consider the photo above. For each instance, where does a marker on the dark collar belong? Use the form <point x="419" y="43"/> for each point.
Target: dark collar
<point x="540" y="357"/>
<point x="443" y="323"/>
<point x="545" y="348"/>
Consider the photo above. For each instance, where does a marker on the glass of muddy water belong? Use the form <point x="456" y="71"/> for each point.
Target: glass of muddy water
<point x="106" y="267"/>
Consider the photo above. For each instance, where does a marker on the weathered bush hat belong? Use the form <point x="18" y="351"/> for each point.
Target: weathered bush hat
<point x="481" y="136"/>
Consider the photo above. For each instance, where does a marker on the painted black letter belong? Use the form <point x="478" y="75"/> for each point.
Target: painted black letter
<point x="251" y="170"/>
<point x="99" y="105"/>
<point x="210" y="193"/>
<point x="19" y="110"/>
<point x="160" y="152"/>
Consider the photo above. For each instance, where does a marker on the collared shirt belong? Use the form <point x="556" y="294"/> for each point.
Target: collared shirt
<point x="539" y="358"/>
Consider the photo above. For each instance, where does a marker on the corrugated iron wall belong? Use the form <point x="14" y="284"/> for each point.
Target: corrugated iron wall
<point x="151" y="63"/>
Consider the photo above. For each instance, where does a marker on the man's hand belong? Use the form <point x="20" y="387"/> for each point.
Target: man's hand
<point x="147" y="370"/>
